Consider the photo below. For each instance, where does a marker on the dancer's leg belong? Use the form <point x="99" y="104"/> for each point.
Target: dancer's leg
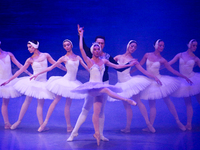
<point x="172" y="109"/>
<point x="116" y="96"/>
<point x="82" y="117"/>
<point x="39" y="111"/>
<point x="189" y="110"/>
<point x="129" y="116"/>
<point x="4" y="111"/>
<point x="95" y="118"/>
<point x="23" y="110"/>
<point x="198" y="98"/>
<point x="143" y="111"/>
<point x="67" y="114"/>
<point x="102" y="118"/>
<point x="49" y="112"/>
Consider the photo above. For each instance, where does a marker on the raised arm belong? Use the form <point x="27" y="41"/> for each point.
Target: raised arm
<point x="52" y="61"/>
<point x="17" y="63"/>
<point x="22" y="69"/>
<point x="83" y="64"/>
<point x="174" y="59"/>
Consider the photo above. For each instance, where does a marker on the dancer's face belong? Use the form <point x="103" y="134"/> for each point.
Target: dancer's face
<point x="101" y="42"/>
<point x="161" y="46"/>
<point x="31" y="49"/>
<point x="132" y="47"/>
<point x="193" y="46"/>
<point x="67" y="46"/>
<point x="96" y="51"/>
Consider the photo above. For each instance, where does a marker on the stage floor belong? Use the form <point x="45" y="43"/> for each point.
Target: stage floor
<point x="167" y="136"/>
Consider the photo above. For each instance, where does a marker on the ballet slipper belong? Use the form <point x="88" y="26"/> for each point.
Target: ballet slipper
<point x="97" y="137"/>
<point x="125" y="130"/>
<point x="41" y="128"/>
<point x="146" y="130"/>
<point x="188" y="126"/>
<point x="151" y="128"/>
<point x="7" y="125"/>
<point x="71" y="137"/>
<point x="69" y="129"/>
<point x="15" y="125"/>
<point x="131" y="102"/>
<point x="103" y="138"/>
<point x="181" y="126"/>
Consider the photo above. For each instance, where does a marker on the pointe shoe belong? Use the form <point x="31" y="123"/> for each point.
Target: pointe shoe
<point x="71" y="137"/>
<point x="15" y="125"/>
<point x="69" y="129"/>
<point x="41" y="128"/>
<point x="188" y="127"/>
<point x="151" y="128"/>
<point x="131" y="102"/>
<point x="103" y="138"/>
<point x="181" y="126"/>
<point x="125" y="130"/>
<point x="7" y="125"/>
<point x="97" y="137"/>
<point x="146" y="130"/>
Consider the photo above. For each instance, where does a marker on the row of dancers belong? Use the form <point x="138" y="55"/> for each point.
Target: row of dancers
<point x="129" y="89"/>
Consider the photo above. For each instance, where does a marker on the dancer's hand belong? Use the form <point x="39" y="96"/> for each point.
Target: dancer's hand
<point x="133" y="62"/>
<point x="158" y="81"/>
<point x="34" y="77"/>
<point x="80" y="29"/>
<point x="189" y="81"/>
<point x="3" y="84"/>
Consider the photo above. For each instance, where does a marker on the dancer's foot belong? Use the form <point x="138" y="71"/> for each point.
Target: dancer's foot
<point x="69" y="129"/>
<point x="180" y="125"/>
<point x="15" y="125"/>
<point x="97" y="137"/>
<point x="126" y="130"/>
<point x="131" y="102"/>
<point x="103" y="138"/>
<point x="188" y="126"/>
<point x="42" y="127"/>
<point x="151" y="128"/>
<point x="71" y="137"/>
<point x="7" y="125"/>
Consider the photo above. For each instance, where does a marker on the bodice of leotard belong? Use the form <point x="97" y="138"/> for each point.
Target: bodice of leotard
<point x="72" y="68"/>
<point x="96" y="73"/>
<point x="39" y="66"/>
<point x="186" y="67"/>
<point x="5" y="68"/>
<point x="153" y="67"/>
<point x="124" y="75"/>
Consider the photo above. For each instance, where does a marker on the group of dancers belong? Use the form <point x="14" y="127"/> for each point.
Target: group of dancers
<point x="95" y="92"/>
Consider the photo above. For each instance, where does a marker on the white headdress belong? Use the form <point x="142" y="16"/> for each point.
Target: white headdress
<point x="156" y="44"/>
<point x="131" y="41"/>
<point x="34" y="45"/>
<point x="67" y="40"/>
<point x="191" y="41"/>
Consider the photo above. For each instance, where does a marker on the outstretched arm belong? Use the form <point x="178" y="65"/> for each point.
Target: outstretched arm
<point x="52" y="61"/>
<point x="56" y="64"/>
<point x="22" y="69"/>
<point x="16" y="62"/>
<point x="174" y="59"/>
<point x="114" y="61"/>
<point x="106" y="62"/>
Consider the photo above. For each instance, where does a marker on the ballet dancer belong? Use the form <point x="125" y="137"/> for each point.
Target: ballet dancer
<point x="33" y="88"/>
<point x="7" y="92"/>
<point x="169" y="84"/>
<point x="187" y="61"/>
<point x="89" y="100"/>
<point x="95" y="87"/>
<point x="62" y="86"/>
<point x="133" y="85"/>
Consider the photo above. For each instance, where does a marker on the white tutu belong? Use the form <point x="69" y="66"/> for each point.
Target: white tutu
<point x="156" y="91"/>
<point x="61" y="86"/>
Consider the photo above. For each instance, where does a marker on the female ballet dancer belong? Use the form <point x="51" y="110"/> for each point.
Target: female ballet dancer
<point x="169" y="84"/>
<point x="132" y="86"/>
<point x="7" y="92"/>
<point x="187" y="61"/>
<point x="95" y="87"/>
<point x="88" y="102"/>
<point x="62" y="86"/>
<point x="33" y="88"/>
